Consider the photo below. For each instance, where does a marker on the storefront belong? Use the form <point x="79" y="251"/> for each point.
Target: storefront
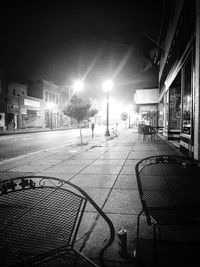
<point x="148" y="114"/>
<point x="178" y="76"/>
<point x="178" y="106"/>
<point x="186" y="138"/>
<point x="32" y="112"/>
<point x="12" y="116"/>
<point x="172" y="110"/>
<point x="52" y="115"/>
<point x="146" y="101"/>
<point x="2" y="121"/>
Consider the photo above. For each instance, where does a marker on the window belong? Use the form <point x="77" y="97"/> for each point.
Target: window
<point x="56" y="99"/>
<point x="187" y="97"/>
<point x="51" y="98"/>
<point x="166" y="110"/>
<point x="46" y="97"/>
<point x="175" y="104"/>
<point x="175" y="108"/>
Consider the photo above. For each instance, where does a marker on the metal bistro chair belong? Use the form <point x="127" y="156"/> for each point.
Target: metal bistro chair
<point x="169" y="189"/>
<point x="39" y="221"/>
<point x="148" y="130"/>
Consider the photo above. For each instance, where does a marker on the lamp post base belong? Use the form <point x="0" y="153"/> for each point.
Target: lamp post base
<point x="107" y="133"/>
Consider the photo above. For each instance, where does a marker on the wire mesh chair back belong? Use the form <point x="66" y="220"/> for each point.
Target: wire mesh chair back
<point x="38" y="215"/>
<point x="157" y="173"/>
<point x="169" y="189"/>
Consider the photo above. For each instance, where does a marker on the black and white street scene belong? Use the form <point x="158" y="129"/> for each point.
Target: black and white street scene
<point x="100" y="133"/>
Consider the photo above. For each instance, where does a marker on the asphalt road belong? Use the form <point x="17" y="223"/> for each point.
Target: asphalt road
<point x="19" y="144"/>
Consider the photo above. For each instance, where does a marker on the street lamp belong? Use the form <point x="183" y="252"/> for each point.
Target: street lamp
<point x="129" y="116"/>
<point x="77" y="86"/>
<point x="107" y="87"/>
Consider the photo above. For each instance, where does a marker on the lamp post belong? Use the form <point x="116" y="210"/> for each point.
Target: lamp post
<point x="129" y="116"/>
<point x="77" y="86"/>
<point x="107" y="87"/>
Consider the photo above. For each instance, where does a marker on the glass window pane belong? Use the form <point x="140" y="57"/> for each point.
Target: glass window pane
<point x="187" y="98"/>
<point x="175" y="108"/>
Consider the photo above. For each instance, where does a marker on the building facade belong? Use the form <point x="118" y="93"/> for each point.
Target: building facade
<point x="17" y="110"/>
<point x="28" y="104"/>
<point x="54" y="99"/>
<point x="2" y="101"/>
<point x="179" y="61"/>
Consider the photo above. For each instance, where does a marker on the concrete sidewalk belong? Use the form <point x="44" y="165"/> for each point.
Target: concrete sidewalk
<point x="105" y="169"/>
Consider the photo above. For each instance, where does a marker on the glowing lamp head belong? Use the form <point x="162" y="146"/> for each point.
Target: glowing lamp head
<point x="78" y="85"/>
<point x="108" y="85"/>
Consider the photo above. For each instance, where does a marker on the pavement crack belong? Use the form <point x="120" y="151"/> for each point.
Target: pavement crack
<point x="117" y="177"/>
<point x="87" y="235"/>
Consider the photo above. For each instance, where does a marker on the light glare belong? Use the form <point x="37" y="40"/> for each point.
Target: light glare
<point x="108" y="85"/>
<point x="78" y="85"/>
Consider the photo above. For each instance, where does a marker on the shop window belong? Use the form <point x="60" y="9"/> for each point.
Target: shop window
<point x="10" y="117"/>
<point x="31" y="113"/>
<point x="187" y="97"/>
<point x="149" y="115"/>
<point x="175" y="108"/>
<point x="46" y="97"/>
<point x="166" y="110"/>
<point x="51" y="98"/>
<point x="175" y="104"/>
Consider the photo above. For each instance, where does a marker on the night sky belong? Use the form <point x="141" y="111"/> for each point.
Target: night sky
<point x="94" y="40"/>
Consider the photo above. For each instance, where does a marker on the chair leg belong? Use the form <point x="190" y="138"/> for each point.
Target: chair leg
<point x="155" y="228"/>
<point x="138" y="234"/>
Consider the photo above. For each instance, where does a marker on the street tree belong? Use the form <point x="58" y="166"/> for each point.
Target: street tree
<point x="79" y="111"/>
<point x="93" y="112"/>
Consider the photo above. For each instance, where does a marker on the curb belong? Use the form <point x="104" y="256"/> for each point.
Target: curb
<point x="33" y="131"/>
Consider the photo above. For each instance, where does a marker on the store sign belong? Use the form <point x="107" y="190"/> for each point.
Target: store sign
<point x="146" y="96"/>
<point x="32" y="103"/>
<point x="147" y="108"/>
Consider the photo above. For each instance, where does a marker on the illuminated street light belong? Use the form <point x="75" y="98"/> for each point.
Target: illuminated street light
<point x="78" y="86"/>
<point x="107" y="87"/>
